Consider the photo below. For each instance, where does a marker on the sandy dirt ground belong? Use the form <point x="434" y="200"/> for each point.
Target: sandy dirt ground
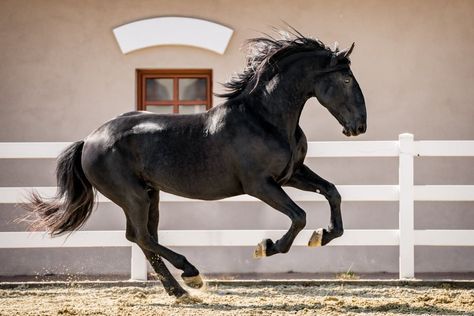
<point x="333" y="299"/>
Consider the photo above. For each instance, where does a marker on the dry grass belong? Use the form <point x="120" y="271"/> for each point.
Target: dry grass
<point x="349" y="275"/>
<point x="239" y="300"/>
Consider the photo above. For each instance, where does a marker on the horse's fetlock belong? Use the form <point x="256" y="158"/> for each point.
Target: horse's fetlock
<point x="284" y="249"/>
<point x="190" y="271"/>
<point x="188" y="268"/>
<point x="338" y="232"/>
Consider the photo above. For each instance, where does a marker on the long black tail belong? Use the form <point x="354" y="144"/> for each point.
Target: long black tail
<point x="74" y="200"/>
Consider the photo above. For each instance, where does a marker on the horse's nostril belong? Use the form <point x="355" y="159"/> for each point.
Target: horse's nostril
<point x="362" y="128"/>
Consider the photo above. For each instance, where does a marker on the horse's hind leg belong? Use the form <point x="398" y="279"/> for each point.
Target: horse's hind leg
<point x="170" y="284"/>
<point x="138" y="220"/>
<point x="153" y="220"/>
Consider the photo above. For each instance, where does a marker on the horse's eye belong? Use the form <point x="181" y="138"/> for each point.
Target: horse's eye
<point x="347" y="80"/>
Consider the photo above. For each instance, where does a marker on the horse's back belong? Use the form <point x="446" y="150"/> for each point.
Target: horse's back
<point x="139" y="133"/>
<point x="181" y="154"/>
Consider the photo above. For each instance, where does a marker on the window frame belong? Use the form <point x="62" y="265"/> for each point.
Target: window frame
<point x="143" y="74"/>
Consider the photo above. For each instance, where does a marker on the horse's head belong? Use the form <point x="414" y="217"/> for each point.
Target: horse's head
<point x="338" y="91"/>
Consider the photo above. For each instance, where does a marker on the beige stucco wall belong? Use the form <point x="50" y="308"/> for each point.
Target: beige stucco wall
<point x="62" y="75"/>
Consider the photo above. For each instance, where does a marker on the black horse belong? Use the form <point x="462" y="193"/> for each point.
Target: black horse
<point x="250" y="144"/>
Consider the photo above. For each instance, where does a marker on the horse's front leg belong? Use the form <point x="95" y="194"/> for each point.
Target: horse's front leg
<point x="272" y="194"/>
<point x="305" y="179"/>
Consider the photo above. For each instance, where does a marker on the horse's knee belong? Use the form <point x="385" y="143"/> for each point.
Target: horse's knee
<point x="300" y="221"/>
<point x="333" y="194"/>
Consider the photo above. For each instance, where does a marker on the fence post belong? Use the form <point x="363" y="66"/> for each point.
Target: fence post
<point x="406" y="207"/>
<point x="138" y="265"/>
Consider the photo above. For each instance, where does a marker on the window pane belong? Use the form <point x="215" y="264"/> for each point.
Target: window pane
<point x="160" y="109"/>
<point x="192" y="89"/>
<point x="159" y="89"/>
<point x="191" y="109"/>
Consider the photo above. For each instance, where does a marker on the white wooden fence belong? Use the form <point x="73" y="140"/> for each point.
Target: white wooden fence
<point x="406" y="237"/>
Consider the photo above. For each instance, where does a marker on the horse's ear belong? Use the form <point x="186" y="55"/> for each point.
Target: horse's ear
<point x="346" y="52"/>
<point x="338" y="55"/>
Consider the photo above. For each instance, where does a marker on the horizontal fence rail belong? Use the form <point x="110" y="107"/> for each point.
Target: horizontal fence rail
<point x="349" y="193"/>
<point x="197" y="238"/>
<point x="405" y="192"/>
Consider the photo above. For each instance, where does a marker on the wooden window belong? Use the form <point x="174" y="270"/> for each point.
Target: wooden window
<point x="183" y="91"/>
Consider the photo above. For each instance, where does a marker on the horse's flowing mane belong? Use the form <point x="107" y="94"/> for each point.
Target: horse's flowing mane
<point x="265" y="52"/>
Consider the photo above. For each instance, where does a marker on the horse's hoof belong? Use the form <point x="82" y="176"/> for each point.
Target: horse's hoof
<point x="316" y="238"/>
<point x="194" y="281"/>
<point x="187" y="299"/>
<point x="261" y="250"/>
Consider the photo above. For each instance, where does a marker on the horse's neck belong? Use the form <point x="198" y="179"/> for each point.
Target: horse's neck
<point x="281" y="102"/>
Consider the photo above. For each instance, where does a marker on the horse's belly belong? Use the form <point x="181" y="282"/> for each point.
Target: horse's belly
<point x="201" y="190"/>
<point x="208" y="195"/>
<point x="206" y="182"/>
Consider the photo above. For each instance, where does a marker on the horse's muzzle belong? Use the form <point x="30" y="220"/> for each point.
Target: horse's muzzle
<point x="354" y="131"/>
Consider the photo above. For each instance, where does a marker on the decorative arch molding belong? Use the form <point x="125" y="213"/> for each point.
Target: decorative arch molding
<point x="173" y="31"/>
